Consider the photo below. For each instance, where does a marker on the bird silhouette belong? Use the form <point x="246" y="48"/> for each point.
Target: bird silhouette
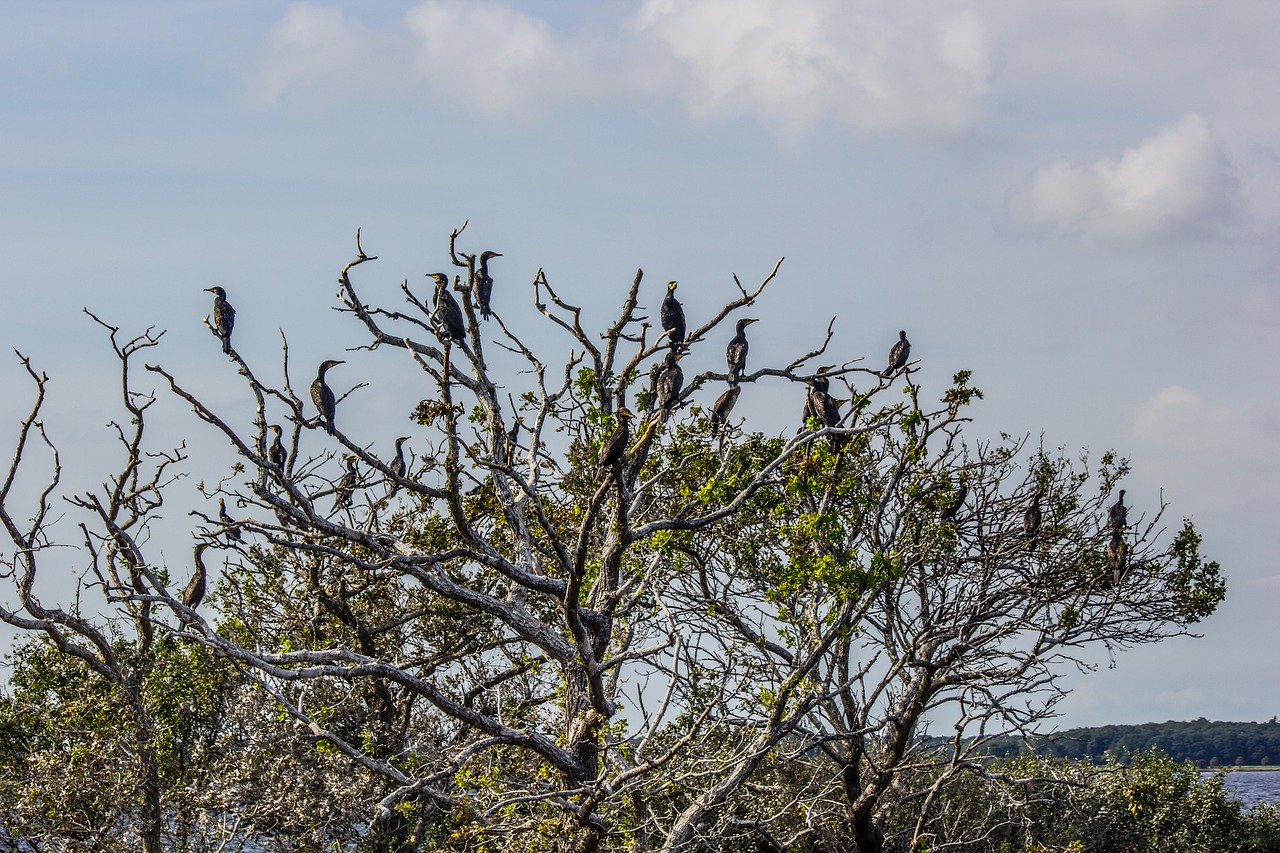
<point x="194" y="593"/>
<point x="447" y="315"/>
<point x="322" y="395"/>
<point x="898" y="355"/>
<point x="672" y="315"/>
<point x="484" y="283"/>
<point x="736" y="352"/>
<point x="224" y="316"/>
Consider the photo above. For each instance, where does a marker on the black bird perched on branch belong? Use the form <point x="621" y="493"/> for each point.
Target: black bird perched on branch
<point x="962" y="491"/>
<point x="346" y="486"/>
<point x="736" y="353"/>
<point x="670" y="381"/>
<point x="722" y="407"/>
<point x="898" y="355"/>
<point x="484" y="283"/>
<point x="397" y="465"/>
<point x="1117" y="552"/>
<point x="1118" y="514"/>
<point x="276" y="454"/>
<point x="1032" y="517"/>
<point x="322" y="395"/>
<point x="224" y="316"/>
<point x="615" y="447"/>
<point x="672" y="315"/>
<point x="821" y="405"/>
<point x="229" y="526"/>
<point x="447" y="315"/>
<point x="194" y="593"/>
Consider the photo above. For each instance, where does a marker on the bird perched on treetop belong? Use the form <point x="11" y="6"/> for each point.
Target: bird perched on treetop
<point x="229" y="526"/>
<point x="898" y="355"/>
<point x="447" y="315"/>
<point x="821" y="405"/>
<point x="672" y="315"/>
<point x="615" y="447"/>
<point x="1033" y="516"/>
<point x="670" y="381"/>
<point x="346" y="486"/>
<point x="1118" y="514"/>
<point x="397" y="465"/>
<point x="736" y="353"/>
<point x="722" y="407"/>
<point x="484" y="283"/>
<point x="194" y="593"/>
<point x="276" y="454"/>
<point x="224" y="316"/>
<point x="322" y="395"/>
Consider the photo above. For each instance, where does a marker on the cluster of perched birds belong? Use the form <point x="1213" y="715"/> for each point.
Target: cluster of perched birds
<point x="667" y="383"/>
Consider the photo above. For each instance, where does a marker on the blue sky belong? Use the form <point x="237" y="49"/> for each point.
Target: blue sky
<point x="1079" y="201"/>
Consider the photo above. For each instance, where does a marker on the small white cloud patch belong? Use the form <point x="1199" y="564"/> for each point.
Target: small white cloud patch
<point x="1177" y="184"/>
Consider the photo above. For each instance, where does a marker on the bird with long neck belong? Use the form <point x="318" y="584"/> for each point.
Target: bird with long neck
<point x="736" y="352"/>
<point x="194" y="593"/>
<point x="346" y="486"/>
<point x="224" y="316"/>
<point x="397" y="465"/>
<point x="276" y="453"/>
<point x="672" y="316"/>
<point x="615" y="447"/>
<point x="1118" y="514"/>
<point x="446" y="314"/>
<point x="484" y="283"/>
<point x="898" y="355"/>
<point x="322" y="395"/>
<point x="229" y="526"/>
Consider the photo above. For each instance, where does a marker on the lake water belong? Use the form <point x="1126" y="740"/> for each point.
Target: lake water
<point x="1254" y="786"/>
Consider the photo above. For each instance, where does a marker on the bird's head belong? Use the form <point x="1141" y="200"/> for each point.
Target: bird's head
<point x="671" y="286"/>
<point x="902" y="335"/>
<point x="624" y="413"/>
<point x="401" y="440"/>
<point x="441" y="279"/>
<point x="742" y="324"/>
<point x="216" y="291"/>
<point x="325" y="365"/>
<point x="486" y="255"/>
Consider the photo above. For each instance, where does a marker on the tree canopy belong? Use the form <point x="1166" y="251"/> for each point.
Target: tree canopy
<point x="581" y="608"/>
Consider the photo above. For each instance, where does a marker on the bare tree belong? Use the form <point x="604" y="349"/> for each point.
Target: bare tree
<point x="569" y="616"/>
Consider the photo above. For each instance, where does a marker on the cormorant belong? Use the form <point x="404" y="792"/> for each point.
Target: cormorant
<point x="224" y="316"/>
<point x="276" y="454"/>
<point x="1118" y="514"/>
<point x="229" y="526"/>
<point x="1033" y="516"/>
<point x="670" y="381"/>
<point x="484" y="283"/>
<point x="346" y="486"/>
<point x="194" y="593"/>
<point x="962" y="491"/>
<point x="898" y="355"/>
<point x="447" y="315"/>
<point x="821" y="405"/>
<point x="615" y="447"/>
<point x="397" y="465"/>
<point x="322" y="395"/>
<point x="736" y="353"/>
<point x="673" y="317"/>
<point x="1116" y="556"/>
<point x="722" y="407"/>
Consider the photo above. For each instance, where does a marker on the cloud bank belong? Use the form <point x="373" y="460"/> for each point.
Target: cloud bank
<point x="871" y="64"/>
<point x="1177" y="184"/>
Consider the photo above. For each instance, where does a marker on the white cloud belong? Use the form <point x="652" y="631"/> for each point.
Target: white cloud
<point x="1177" y="184"/>
<point x="872" y="64"/>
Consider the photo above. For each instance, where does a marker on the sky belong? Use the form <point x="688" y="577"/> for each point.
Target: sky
<point x="1078" y="200"/>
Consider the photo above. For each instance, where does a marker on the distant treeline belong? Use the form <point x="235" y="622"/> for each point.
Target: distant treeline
<point x="1207" y="743"/>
